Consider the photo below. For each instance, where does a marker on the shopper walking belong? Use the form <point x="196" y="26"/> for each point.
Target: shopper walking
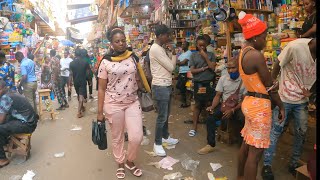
<point x="118" y="100"/>
<point x="57" y="81"/>
<point x="65" y="74"/>
<point x="256" y="106"/>
<point x="28" y="80"/>
<point x="183" y="64"/>
<point x="46" y="72"/>
<point x="202" y="67"/>
<point x="89" y="77"/>
<point x="161" y="70"/>
<point x="78" y="70"/>
<point x="297" y="62"/>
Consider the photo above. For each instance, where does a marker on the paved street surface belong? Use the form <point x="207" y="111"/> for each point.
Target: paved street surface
<point x="83" y="160"/>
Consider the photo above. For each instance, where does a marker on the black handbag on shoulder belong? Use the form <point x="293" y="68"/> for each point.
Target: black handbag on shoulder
<point x="99" y="135"/>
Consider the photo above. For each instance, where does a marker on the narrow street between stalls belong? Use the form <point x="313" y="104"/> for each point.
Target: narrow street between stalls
<point x="62" y="149"/>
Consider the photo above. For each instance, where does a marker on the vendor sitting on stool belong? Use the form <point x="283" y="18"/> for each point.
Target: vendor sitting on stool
<point x="226" y="87"/>
<point x="16" y="117"/>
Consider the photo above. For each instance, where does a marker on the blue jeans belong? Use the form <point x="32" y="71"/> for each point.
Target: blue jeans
<point x="299" y="112"/>
<point x="162" y="96"/>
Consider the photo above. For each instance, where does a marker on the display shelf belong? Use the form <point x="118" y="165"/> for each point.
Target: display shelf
<point x="186" y="20"/>
<point x="184" y="9"/>
<point x="255" y="10"/>
<point x="183" y="27"/>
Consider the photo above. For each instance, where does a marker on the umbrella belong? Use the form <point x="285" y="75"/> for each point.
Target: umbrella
<point x="67" y="43"/>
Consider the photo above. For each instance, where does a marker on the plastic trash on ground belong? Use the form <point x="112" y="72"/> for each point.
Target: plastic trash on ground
<point x="15" y="177"/>
<point x="29" y="175"/>
<point x="165" y="163"/>
<point x="172" y="176"/>
<point x="150" y="153"/>
<point x="59" y="155"/>
<point x="93" y="110"/>
<point x="189" y="164"/>
<point x="167" y="146"/>
<point x="76" y="128"/>
<point x="168" y="162"/>
<point x="148" y="132"/>
<point x="145" y="141"/>
<point x="215" y="166"/>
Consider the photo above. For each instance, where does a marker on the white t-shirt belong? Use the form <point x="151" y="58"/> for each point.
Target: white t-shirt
<point x="161" y="66"/>
<point x="65" y="64"/>
<point x="298" y="70"/>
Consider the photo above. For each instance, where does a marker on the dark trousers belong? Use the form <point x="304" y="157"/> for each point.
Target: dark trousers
<point x="237" y="121"/>
<point x="181" y="85"/>
<point x="65" y="81"/>
<point x="97" y="83"/>
<point x="162" y="96"/>
<point x="13" y="127"/>
<point x="89" y="82"/>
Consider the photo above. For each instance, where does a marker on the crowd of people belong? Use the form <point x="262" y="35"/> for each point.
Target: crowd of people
<point x="256" y="102"/>
<point x="253" y="100"/>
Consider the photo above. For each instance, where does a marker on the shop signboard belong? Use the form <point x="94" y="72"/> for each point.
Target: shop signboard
<point x="85" y="12"/>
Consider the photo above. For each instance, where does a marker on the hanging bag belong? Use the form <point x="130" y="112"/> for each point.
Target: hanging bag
<point x="99" y="135"/>
<point x="144" y="94"/>
<point x="232" y="100"/>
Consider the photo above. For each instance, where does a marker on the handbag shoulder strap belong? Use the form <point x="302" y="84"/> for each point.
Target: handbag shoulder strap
<point x="238" y="90"/>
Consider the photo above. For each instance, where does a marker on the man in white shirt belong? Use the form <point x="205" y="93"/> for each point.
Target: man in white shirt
<point x="65" y="64"/>
<point x="161" y="69"/>
<point x="297" y="62"/>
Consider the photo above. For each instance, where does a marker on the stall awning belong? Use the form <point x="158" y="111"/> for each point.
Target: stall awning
<point x="46" y="29"/>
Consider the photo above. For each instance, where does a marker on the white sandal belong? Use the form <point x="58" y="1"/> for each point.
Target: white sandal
<point x="192" y="133"/>
<point x="137" y="172"/>
<point x="120" y="173"/>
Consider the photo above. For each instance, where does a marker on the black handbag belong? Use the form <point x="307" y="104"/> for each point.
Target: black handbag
<point x="99" y="135"/>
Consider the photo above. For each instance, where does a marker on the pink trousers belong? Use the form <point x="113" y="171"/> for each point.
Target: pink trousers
<point x="131" y="119"/>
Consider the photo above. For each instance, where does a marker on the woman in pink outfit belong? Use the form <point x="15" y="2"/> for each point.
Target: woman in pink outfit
<point x="118" y="101"/>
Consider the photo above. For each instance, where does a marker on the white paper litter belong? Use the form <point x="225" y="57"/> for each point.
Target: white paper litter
<point x="59" y="155"/>
<point x="145" y="141"/>
<point x="168" y="162"/>
<point x="210" y="176"/>
<point x="215" y="166"/>
<point x="172" y="176"/>
<point x="29" y="175"/>
<point x="148" y="132"/>
<point x="76" y="128"/>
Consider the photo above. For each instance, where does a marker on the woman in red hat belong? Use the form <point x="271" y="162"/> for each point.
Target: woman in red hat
<point x="256" y="106"/>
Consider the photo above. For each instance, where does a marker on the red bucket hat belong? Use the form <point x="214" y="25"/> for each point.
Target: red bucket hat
<point x="251" y="26"/>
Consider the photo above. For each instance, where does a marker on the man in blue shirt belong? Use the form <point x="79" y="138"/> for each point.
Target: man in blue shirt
<point x="183" y="63"/>
<point x="7" y="71"/>
<point x="29" y="79"/>
<point x="16" y="117"/>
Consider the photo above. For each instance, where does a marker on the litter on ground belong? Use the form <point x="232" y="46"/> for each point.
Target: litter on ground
<point x="215" y="166"/>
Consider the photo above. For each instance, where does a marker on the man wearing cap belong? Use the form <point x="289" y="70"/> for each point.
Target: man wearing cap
<point x="161" y="68"/>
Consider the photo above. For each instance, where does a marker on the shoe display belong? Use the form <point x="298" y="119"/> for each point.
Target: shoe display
<point x="206" y="150"/>
<point x="170" y="141"/>
<point x="158" y="150"/>
<point x="266" y="173"/>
